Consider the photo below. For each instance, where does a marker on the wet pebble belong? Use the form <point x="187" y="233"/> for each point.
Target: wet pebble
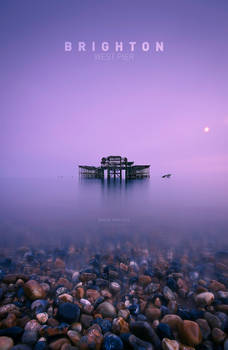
<point x="144" y="331"/>
<point x="68" y="312"/>
<point x="34" y="290"/>
<point x="213" y="320"/>
<point x="218" y="335"/>
<point x="29" y="337"/>
<point x="6" y="343"/>
<point x="42" y="317"/>
<point x="205" y="298"/>
<point x="74" y="337"/>
<point x="112" y="342"/>
<point x="106" y="309"/>
<point x="190" y="333"/>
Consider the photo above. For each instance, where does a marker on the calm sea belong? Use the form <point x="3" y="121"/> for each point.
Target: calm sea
<point x="58" y="211"/>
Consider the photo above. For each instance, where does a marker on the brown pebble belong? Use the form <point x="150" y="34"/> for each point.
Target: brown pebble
<point x="63" y="281"/>
<point x="144" y="280"/>
<point x="34" y="290"/>
<point x="79" y="293"/>
<point x="123" y="267"/>
<point x="190" y="333"/>
<point x="218" y="335"/>
<point x="10" y="321"/>
<point x="119" y="326"/>
<point x="86" y="320"/>
<point x="152" y="313"/>
<point x="6" y="343"/>
<point x="74" y="337"/>
<point x="173" y="321"/>
<point x="216" y="286"/>
<point x="92" y="295"/>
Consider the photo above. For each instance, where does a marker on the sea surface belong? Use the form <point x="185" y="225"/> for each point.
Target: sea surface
<point x="64" y="210"/>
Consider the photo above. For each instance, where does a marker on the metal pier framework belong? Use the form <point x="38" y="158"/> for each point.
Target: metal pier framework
<point x="114" y="166"/>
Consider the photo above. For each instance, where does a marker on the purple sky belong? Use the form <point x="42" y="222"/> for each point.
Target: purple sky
<point x="61" y="109"/>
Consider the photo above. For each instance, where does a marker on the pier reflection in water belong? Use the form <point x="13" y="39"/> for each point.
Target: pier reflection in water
<point x="69" y="209"/>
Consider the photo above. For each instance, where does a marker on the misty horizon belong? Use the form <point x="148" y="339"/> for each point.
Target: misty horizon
<point x="60" y="110"/>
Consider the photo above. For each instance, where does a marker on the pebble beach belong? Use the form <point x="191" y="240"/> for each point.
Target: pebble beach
<point x="113" y="298"/>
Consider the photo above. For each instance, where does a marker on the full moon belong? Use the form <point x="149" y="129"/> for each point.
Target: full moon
<point x="206" y="129"/>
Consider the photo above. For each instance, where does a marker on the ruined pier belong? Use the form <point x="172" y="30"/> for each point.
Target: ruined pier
<point x="115" y="167"/>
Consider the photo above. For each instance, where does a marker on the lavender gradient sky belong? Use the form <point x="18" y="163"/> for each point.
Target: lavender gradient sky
<point x="59" y="109"/>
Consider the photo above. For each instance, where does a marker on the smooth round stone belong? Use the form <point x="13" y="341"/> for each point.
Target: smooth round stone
<point x="223" y="318"/>
<point x="29" y="337"/>
<point x="205" y="298"/>
<point x="65" y="297"/>
<point x="39" y="305"/>
<point x="213" y="320"/>
<point x="217" y="286"/>
<point x="42" y="317"/>
<point x="152" y="313"/>
<point x="86" y="320"/>
<point x="190" y="333"/>
<point x="204" y="326"/>
<point x="92" y="295"/>
<point x="68" y="313"/>
<point x="34" y="290"/>
<point x="172" y="320"/>
<point x="115" y="287"/>
<point x="218" y="335"/>
<point x="168" y="344"/>
<point x="112" y="342"/>
<point x="6" y="343"/>
<point x="74" y="337"/>
<point x="85" y="302"/>
<point x="32" y="325"/>
<point x="106" y="309"/>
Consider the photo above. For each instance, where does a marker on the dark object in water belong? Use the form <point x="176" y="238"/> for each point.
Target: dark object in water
<point x="166" y="176"/>
<point x="115" y="165"/>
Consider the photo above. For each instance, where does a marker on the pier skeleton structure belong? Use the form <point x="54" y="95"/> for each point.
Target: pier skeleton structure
<point x="114" y="166"/>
